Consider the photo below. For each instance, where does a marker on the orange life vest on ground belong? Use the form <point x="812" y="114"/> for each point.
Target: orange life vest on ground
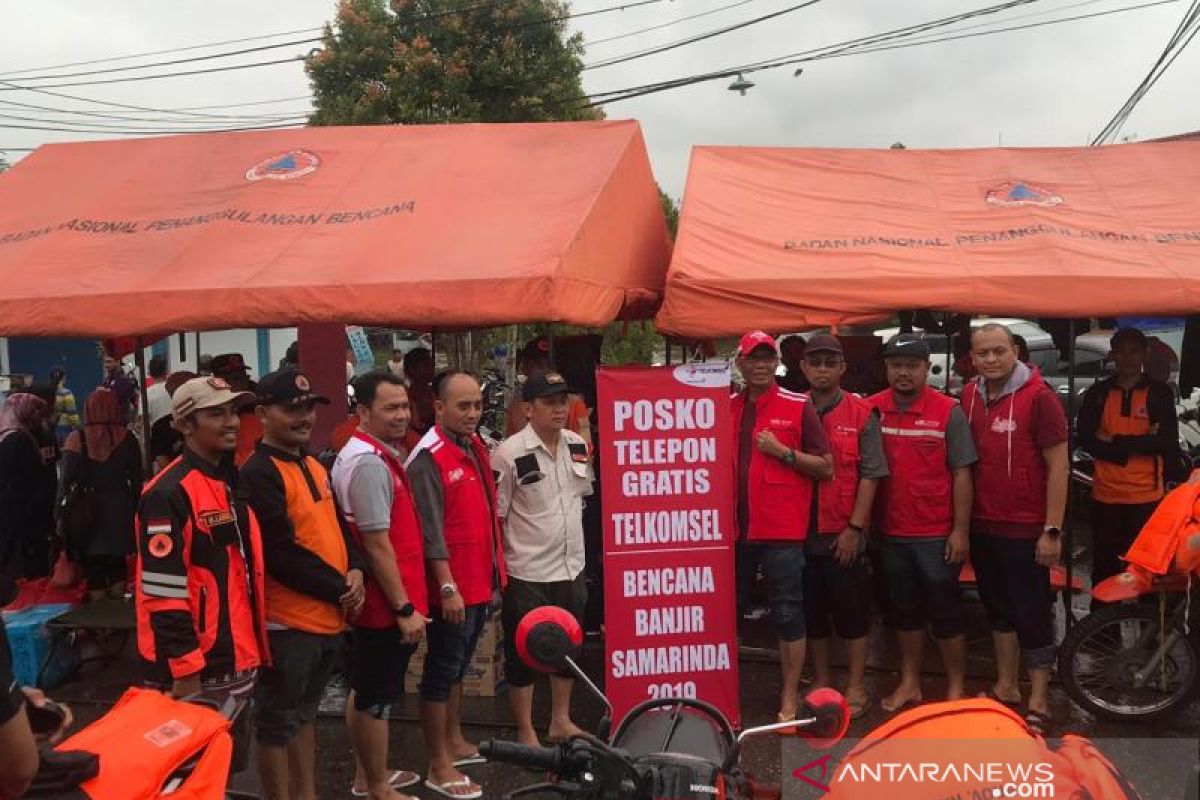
<point x="145" y="738"/>
<point x="1170" y="540"/>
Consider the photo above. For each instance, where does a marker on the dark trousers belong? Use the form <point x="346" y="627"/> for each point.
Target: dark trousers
<point x="1016" y="594"/>
<point x="1114" y="527"/>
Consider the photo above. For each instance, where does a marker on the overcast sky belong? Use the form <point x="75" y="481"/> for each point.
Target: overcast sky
<point x="1055" y="85"/>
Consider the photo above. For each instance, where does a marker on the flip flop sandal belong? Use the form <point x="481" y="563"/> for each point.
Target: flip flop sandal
<point x="1039" y="723"/>
<point x="859" y="710"/>
<point x="911" y="702"/>
<point x="469" y="761"/>
<point x="400" y="779"/>
<point x="990" y="694"/>
<point x="444" y="789"/>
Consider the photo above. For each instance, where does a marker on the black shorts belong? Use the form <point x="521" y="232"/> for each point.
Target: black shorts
<point x="521" y="597"/>
<point x="836" y="593"/>
<point x="379" y="661"/>
<point x="289" y="691"/>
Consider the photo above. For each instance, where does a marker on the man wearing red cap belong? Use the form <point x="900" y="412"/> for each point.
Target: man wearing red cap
<point x="781" y="451"/>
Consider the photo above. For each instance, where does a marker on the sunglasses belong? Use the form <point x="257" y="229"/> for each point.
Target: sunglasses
<point x="829" y="362"/>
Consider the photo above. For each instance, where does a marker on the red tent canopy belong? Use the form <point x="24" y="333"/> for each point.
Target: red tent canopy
<point x="411" y="226"/>
<point x="781" y="239"/>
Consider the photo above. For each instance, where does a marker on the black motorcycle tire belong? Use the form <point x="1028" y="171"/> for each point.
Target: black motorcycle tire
<point x="1095" y="622"/>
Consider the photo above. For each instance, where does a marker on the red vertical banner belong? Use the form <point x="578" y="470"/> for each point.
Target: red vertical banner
<point x="666" y="461"/>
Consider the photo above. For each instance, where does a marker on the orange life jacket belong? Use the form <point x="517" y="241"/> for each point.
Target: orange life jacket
<point x="965" y="748"/>
<point x="145" y="738"/>
<point x="1170" y="539"/>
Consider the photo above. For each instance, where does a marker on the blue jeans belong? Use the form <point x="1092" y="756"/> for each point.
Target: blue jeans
<point x="451" y="648"/>
<point x="922" y="587"/>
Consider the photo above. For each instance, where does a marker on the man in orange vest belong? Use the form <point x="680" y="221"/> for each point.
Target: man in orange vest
<point x="455" y="491"/>
<point x="837" y="584"/>
<point x="781" y="454"/>
<point x="314" y="580"/>
<point x="1020" y="433"/>
<point x="1127" y="423"/>
<point x="923" y="513"/>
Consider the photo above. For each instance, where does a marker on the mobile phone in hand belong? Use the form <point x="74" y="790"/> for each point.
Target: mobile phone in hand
<point x="46" y="718"/>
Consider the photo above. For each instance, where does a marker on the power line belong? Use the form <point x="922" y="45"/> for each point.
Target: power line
<point x="180" y="126"/>
<point x="151" y="132"/>
<point x="700" y="37"/>
<point x="860" y="46"/>
<point x="10" y="87"/>
<point x="1187" y="29"/>
<point x="673" y="22"/>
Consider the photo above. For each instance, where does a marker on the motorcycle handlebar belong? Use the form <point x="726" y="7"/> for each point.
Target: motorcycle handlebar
<point x="548" y="758"/>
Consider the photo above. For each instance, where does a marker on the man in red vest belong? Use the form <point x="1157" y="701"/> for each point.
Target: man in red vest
<point x="922" y="514"/>
<point x="372" y="489"/>
<point x="455" y="491"/>
<point x="1020" y="433"/>
<point x="837" y="584"/>
<point x="781" y="453"/>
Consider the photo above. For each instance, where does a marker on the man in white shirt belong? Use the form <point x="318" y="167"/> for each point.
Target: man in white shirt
<point x="543" y="473"/>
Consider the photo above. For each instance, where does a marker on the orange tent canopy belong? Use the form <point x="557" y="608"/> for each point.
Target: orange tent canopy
<point x="781" y="239"/>
<point x="411" y="226"/>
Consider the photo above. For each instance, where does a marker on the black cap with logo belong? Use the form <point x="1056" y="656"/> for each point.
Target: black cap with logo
<point x="545" y="385"/>
<point x="287" y="387"/>
<point x="907" y="345"/>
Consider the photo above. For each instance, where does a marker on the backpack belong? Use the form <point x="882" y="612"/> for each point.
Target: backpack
<point x="78" y="508"/>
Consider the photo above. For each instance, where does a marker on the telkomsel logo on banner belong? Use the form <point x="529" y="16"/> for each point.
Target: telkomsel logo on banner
<point x="284" y="166"/>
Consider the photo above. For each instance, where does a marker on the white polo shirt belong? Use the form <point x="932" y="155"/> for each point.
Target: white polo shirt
<point x="540" y="501"/>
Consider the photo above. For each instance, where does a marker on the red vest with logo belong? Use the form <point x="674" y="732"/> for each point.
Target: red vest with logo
<point x="404" y="532"/>
<point x="1010" y="476"/>
<point x="780" y="497"/>
<point x="471" y="527"/>
<point x="917" y="499"/>
<point x="843" y="425"/>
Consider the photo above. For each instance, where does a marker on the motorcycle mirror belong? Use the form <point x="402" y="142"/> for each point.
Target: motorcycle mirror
<point x="832" y="715"/>
<point x="546" y="637"/>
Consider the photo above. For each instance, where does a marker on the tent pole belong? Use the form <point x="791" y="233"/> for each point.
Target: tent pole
<point x="183" y="347"/>
<point x="1068" y="521"/>
<point x="667" y="340"/>
<point x="197" y="352"/>
<point x="139" y="358"/>
<point x="949" y="349"/>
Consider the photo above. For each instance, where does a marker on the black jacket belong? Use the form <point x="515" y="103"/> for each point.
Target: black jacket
<point x="1160" y="402"/>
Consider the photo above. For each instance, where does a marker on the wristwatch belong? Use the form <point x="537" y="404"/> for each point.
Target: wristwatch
<point x="1052" y="531"/>
<point x="449" y="590"/>
<point x="789" y="458"/>
<point x="405" y="611"/>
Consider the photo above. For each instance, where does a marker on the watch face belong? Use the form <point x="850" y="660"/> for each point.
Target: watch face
<point x="449" y="591"/>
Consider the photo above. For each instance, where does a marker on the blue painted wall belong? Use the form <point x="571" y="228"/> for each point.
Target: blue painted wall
<point x="80" y="357"/>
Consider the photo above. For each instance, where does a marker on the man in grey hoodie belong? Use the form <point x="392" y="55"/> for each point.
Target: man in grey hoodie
<point x="1020" y="433"/>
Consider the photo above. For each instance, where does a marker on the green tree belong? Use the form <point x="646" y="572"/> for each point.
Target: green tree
<point x="437" y="61"/>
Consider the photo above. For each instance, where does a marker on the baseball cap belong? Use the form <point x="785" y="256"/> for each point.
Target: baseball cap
<point x="907" y="345"/>
<point x="287" y="387"/>
<point x="547" y="385"/>
<point x="208" y="392"/>
<point x="228" y="363"/>
<point x="1131" y="335"/>
<point x="824" y="343"/>
<point x="755" y="339"/>
<point x="534" y="349"/>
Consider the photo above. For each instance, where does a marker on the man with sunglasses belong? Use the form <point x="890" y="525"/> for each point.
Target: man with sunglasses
<point x="837" y="584"/>
<point x="781" y="453"/>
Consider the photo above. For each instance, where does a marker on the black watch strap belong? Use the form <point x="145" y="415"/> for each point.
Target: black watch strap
<point x="405" y="611"/>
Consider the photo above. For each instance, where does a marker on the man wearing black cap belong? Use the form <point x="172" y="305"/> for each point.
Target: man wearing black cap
<point x="837" y="585"/>
<point x="314" y="580"/>
<point x="923" y="514"/>
<point x="534" y="360"/>
<point x="543" y="475"/>
<point x="232" y="368"/>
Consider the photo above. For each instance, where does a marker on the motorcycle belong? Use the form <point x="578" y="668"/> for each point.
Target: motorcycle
<point x="495" y="407"/>
<point x="1136" y="660"/>
<point x="678" y="748"/>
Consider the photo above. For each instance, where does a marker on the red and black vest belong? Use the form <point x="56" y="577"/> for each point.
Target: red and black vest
<point x="780" y="500"/>
<point x="1010" y="476"/>
<point x="404" y="531"/>
<point x="843" y="424"/>
<point x="471" y="527"/>
<point x="917" y="499"/>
